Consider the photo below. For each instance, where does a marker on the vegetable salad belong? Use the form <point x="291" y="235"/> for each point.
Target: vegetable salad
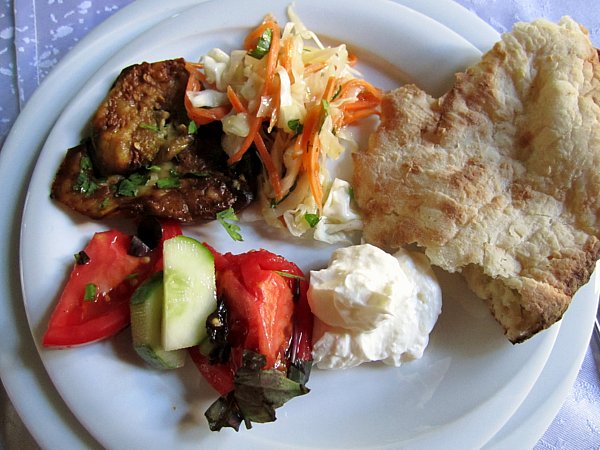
<point x="291" y="97"/>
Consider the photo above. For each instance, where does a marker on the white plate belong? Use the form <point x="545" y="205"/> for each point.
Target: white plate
<point x="22" y="374"/>
<point x="430" y="402"/>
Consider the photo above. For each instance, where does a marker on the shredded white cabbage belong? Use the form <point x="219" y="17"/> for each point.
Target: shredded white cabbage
<point x="303" y="70"/>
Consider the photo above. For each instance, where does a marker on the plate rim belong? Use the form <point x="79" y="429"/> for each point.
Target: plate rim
<point x="13" y="384"/>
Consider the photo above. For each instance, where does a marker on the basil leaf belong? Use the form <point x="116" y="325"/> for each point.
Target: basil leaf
<point x="91" y="290"/>
<point x="232" y="229"/>
<point x="263" y="44"/>
<point x="256" y="395"/>
<point x="312" y="219"/>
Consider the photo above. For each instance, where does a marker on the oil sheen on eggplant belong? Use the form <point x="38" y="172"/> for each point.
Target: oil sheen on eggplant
<point x="169" y="174"/>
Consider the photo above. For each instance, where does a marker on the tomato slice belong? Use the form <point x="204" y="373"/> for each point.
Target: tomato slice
<point x="268" y="313"/>
<point x="81" y="318"/>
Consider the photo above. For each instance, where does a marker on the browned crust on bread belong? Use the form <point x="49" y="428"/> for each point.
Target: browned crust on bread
<point x="497" y="179"/>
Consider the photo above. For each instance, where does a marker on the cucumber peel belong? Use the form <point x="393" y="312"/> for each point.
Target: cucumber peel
<point x="146" y="308"/>
<point x="189" y="292"/>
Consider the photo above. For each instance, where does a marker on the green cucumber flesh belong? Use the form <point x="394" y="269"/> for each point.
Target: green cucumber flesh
<point x="189" y="290"/>
<point x="146" y="308"/>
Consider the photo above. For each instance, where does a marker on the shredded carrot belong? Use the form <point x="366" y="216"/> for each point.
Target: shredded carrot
<point x="286" y="59"/>
<point x="201" y="116"/>
<point x="235" y="100"/>
<point x="352" y="59"/>
<point x="271" y="65"/>
<point x="309" y="143"/>
<point x="315" y="67"/>
<point x="263" y="152"/>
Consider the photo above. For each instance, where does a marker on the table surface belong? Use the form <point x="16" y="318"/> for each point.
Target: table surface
<point x="35" y="36"/>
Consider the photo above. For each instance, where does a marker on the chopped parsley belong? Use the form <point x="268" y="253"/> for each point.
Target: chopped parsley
<point x="85" y="182"/>
<point x="227" y="219"/>
<point x="192" y="127"/>
<point x="129" y="186"/>
<point x="168" y="183"/>
<point x="263" y="44"/>
<point x="295" y="126"/>
<point x="147" y="126"/>
<point x="312" y="219"/>
<point x="91" y="290"/>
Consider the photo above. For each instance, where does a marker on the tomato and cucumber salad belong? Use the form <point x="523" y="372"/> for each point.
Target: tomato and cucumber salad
<point x="244" y="319"/>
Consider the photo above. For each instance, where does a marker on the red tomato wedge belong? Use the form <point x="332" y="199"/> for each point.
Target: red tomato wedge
<point x="94" y="303"/>
<point x="268" y="313"/>
<point x="78" y="319"/>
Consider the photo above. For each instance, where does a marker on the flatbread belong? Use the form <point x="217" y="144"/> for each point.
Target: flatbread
<point x="499" y="178"/>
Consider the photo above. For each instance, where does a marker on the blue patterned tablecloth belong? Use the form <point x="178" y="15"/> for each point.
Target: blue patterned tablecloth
<point x="35" y="35"/>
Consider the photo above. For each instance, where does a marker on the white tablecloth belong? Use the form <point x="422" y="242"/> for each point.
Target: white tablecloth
<point x="34" y="36"/>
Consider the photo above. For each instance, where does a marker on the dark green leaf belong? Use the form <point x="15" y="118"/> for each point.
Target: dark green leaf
<point x="82" y="258"/>
<point x="299" y="371"/>
<point x="263" y="44"/>
<point x="256" y="395"/>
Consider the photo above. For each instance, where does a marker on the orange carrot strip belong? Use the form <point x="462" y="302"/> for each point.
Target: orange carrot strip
<point x="315" y="67"/>
<point x="256" y="122"/>
<point x="266" y="159"/>
<point x="286" y="58"/>
<point x="235" y="100"/>
<point x="201" y="116"/>
<point x="264" y="154"/>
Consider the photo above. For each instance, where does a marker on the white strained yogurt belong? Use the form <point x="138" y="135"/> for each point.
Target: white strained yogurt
<point x="372" y="306"/>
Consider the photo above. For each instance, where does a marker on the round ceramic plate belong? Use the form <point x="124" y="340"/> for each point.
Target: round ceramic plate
<point x="24" y="378"/>
<point x="462" y="391"/>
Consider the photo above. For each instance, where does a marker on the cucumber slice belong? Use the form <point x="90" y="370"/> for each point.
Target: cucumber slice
<point x="190" y="292"/>
<point x="146" y="308"/>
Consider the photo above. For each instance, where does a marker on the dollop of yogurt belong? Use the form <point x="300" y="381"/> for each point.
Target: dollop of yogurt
<point x="372" y="306"/>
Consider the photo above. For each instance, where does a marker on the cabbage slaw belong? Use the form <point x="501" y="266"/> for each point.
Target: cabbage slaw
<point x="292" y="97"/>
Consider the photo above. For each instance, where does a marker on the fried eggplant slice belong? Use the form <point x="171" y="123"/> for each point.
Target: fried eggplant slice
<point x="192" y="187"/>
<point x="142" y="120"/>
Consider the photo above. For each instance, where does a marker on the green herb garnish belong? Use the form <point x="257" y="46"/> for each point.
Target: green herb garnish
<point x="225" y="218"/>
<point x="289" y="275"/>
<point x="129" y="186"/>
<point x="339" y="89"/>
<point x="91" y="290"/>
<point x="295" y="126"/>
<point x="192" y="127"/>
<point x="168" y="183"/>
<point x="325" y="105"/>
<point x="81" y="258"/>
<point x="256" y="395"/>
<point x="312" y="219"/>
<point x="263" y="44"/>
<point x="85" y="182"/>
<point x="147" y="126"/>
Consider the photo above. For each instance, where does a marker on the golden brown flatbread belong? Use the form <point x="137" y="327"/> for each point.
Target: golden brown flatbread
<point x="500" y="177"/>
